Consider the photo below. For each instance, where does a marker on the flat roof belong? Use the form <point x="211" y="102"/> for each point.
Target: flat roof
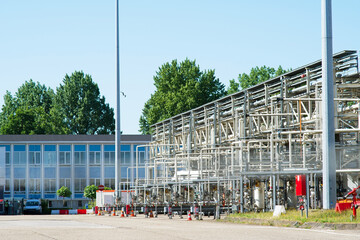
<point x="74" y="138"/>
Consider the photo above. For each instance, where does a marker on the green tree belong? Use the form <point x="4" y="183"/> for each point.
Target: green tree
<point x="256" y="76"/>
<point x="84" y="111"/>
<point x="64" y="192"/>
<point x="90" y="192"/>
<point x="33" y="95"/>
<point x="233" y="87"/>
<point x="179" y="88"/>
<point x="30" y="111"/>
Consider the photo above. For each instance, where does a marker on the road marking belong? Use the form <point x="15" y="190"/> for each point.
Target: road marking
<point x="49" y="224"/>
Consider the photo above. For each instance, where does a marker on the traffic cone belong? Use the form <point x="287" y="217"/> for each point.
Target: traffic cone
<point x="189" y="216"/>
<point x="113" y="212"/>
<point x="151" y="214"/>
<point x="122" y="214"/>
<point x="132" y="213"/>
<point x="99" y="213"/>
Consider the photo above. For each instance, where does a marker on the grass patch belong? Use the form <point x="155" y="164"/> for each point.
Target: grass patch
<point x="315" y="215"/>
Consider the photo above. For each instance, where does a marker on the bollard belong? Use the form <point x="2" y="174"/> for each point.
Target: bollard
<point x="217" y="212"/>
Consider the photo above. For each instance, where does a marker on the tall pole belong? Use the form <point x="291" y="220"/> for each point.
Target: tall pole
<point x="328" y="136"/>
<point x="117" y="114"/>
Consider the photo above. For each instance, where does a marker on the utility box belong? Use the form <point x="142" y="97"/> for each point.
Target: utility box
<point x="105" y="198"/>
<point x="300" y="182"/>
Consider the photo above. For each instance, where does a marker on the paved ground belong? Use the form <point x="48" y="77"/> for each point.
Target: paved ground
<point x="104" y="227"/>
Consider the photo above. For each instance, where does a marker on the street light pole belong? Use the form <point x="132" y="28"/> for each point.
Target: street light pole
<point x="328" y="136"/>
<point x="117" y="114"/>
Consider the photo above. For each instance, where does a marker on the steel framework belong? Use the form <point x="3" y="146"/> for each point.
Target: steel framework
<point x="255" y="141"/>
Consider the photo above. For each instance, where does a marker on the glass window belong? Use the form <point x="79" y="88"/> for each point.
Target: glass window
<point x="7" y="153"/>
<point x="110" y="182"/>
<point x="7" y="158"/>
<point x="34" y="172"/>
<point x="95" y="181"/>
<point x="7" y="185"/>
<point x="64" y="158"/>
<point x="141" y="156"/>
<point x="65" y="182"/>
<point x="50" y="158"/>
<point x="19" y="185"/>
<point x="50" y="185"/>
<point x="94" y="158"/>
<point x="19" y="158"/>
<point x="50" y="172"/>
<point x="34" y="185"/>
<point x="80" y="184"/>
<point x="125" y="158"/>
<point x="109" y="158"/>
<point x="80" y="158"/>
<point x="34" y="158"/>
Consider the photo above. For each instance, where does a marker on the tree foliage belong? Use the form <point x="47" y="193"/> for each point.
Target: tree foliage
<point x="30" y="111"/>
<point x="179" y="88"/>
<point x="256" y="76"/>
<point x="90" y="192"/>
<point x="76" y="108"/>
<point x="85" y="112"/>
<point x="64" y="192"/>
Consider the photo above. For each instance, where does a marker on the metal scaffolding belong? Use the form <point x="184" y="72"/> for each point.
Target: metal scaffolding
<point x="249" y="145"/>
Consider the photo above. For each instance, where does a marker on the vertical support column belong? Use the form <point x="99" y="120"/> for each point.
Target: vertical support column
<point x="191" y="130"/>
<point x="244" y="113"/>
<point x="308" y="89"/>
<point x="358" y="112"/>
<point x="214" y="132"/>
<point x="290" y="151"/>
<point x="102" y="164"/>
<point x="87" y="162"/>
<point x="42" y="185"/>
<point x="266" y="89"/>
<point x="241" y="194"/>
<point x="307" y="196"/>
<point x="328" y="137"/>
<point x="57" y="184"/>
<point x="117" y="113"/>
<point x="132" y="166"/>
<point x="72" y="161"/>
<point x="304" y="154"/>
<point x="274" y="190"/>
<point x="27" y="171"/>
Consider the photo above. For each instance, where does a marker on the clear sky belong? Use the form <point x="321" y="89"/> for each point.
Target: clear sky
<point x="46" y="39"/>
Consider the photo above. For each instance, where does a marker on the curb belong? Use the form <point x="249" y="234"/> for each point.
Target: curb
<point x="286" y="223"/>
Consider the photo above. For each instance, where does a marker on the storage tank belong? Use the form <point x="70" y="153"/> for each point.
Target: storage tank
<point x="259" y="195"/>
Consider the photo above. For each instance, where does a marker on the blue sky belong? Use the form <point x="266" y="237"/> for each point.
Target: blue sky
<point x="44" y="40"/>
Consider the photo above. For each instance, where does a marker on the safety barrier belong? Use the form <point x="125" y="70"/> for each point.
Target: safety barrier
<point x="71" y="211"/>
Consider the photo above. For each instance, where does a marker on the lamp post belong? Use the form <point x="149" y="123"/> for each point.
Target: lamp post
<point x="117" y="113"/>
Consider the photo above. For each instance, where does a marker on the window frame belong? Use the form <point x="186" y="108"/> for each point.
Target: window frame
<point x="66" y="159"/>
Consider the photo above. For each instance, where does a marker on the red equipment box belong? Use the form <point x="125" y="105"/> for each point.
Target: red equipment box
<point x="300" y="182"/>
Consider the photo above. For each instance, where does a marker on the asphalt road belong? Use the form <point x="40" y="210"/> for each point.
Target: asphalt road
<point x="105" y="227"/>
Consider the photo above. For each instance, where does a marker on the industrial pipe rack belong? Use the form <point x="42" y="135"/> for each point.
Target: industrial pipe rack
<point x="241" y="152"/>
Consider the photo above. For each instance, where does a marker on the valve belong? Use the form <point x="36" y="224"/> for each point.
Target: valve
<point x="354" y="205"/>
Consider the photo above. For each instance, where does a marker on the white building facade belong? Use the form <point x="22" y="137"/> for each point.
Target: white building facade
<point x="36" y="166"/>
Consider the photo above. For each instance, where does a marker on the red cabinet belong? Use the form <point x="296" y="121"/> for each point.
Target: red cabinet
<point x="300" y="182"/>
